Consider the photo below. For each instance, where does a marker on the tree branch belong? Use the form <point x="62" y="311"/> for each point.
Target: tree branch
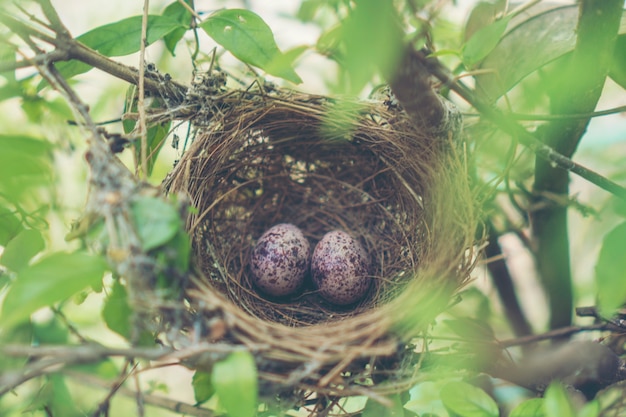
<point x="503" y="283"/>
<point x="67" y="49"/>
<point x="510" y="126"/>
<point x="178" y="407"/>
<point x="578" y="88"/>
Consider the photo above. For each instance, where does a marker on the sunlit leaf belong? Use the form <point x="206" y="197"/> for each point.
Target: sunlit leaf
<point x="157" y="222"/>
<point x="308" y="9"/>
<point x="245" y="35"/>
<point x="182" y="243"/>
<point x="471" y="329"/>
<point x="611" y="271"/>
<point x="52" y="279"/>
<point x="54" y="398"/>
<point x="370" y="51"/>
<point x="374" y="408"/>
<point x="617" y="71"/>
<point x="10" y="225"/>
<point x="60" y="402"/>
<point x="235" y="382"/>
<point x="557" y="402"/>
<point x="466" y="400"/>
<point x="591" y="409"/>
<point x="116" y="312"/>
<point x="203" y="388"/>
<point x="542" y="34"/>
<point x="484" y="41"/>
<point x="24" y="162"/>
<point x="483" y="14"/>
<point x="182" y="15"/>
<point x="51" y="332"/>
<point x="105" y="369"/>
<point x="20" y="250"/>
<point x="7" y="54"/>
<point x="119" y="38"/>
<point x="529" y="408"/>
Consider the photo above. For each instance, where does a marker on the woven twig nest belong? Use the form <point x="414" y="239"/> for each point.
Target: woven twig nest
<point x="322" y="165"/>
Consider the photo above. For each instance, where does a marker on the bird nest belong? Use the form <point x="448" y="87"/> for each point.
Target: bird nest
<point x="320" y="164"/>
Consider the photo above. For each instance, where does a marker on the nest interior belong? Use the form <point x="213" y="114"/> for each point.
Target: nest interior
<point x="364" y="168"/>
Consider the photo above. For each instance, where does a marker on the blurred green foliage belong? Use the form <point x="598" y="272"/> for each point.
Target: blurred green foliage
<point x="41" y="278"/>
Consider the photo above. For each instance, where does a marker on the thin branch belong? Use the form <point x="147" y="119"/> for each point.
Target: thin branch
<point x="55" y="21"/>
<point x="103" y="406"/>
<point x="503" y="283"/>
<point x="510" y="126"/>
<point x="84" y="352"/>
<point x="141" y="104"/>
<point x="156" y="401"/>
<point x="552" y="117"/>
<point x="189" y="9"/>
<point x="69" y="48"/>
<point x="558" y="334"/>
<point x="576" y="88"/>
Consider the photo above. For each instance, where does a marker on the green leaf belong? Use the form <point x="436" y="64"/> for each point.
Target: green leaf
<point x="20" y="250"/>
<point x="550" y="27"/>
<point x="50" y="332"/>
<point x="105" y="368"/>
<point x="471" y="329"/>
<point x="591" y="409"/>
<point x="611" y="271"/>
<point x="10" y="225"/>
<point x="484" y="41"/>
<point x="529" y="408"/>
<point x="54" y="398"/>
<point x="183" y="16"/>
<point x="245" y="35"/>
<point x="557" y="402"/>
<point x="124" y="37"/>
<point x="118" y="39"/>
<point x="483" y="14"/>
<point x="181" y="257"/>
<point x="203" y="388"/>
<point x="116" y="312"/>
<point x="235" y="382"/>
<point x="466" y="400"/>
<point x="375" y="409"/>
<point x="368" y="50"/>
<point x="25" y="162"/>
<point x="7" y="55"/>
<point x="60" y="401"/>
<point x="617" y="70"/>
<point x="308" y="9"/>
<point x="52" y="279"/>
<point x="157" y="222"/>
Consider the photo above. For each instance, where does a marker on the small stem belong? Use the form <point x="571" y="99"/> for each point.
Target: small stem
<point x="557" y="334"/>
<point x="141" y="106"/>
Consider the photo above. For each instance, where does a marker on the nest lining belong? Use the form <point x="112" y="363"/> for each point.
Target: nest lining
<point x="365" y="169"/>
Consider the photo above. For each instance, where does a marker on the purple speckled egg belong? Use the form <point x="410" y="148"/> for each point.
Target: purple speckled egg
<point x="280" y="260"/>
<point x="340" y="268"/>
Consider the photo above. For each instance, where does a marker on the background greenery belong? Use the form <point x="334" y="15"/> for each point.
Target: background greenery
<point x="562" y="237"/>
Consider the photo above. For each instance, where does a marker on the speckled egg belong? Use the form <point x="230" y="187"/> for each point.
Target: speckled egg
<point x="340" y="268"/>
<point x="280" y="260"/>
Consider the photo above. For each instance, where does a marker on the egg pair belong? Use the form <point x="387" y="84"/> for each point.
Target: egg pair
<point x="339" y="264"/>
